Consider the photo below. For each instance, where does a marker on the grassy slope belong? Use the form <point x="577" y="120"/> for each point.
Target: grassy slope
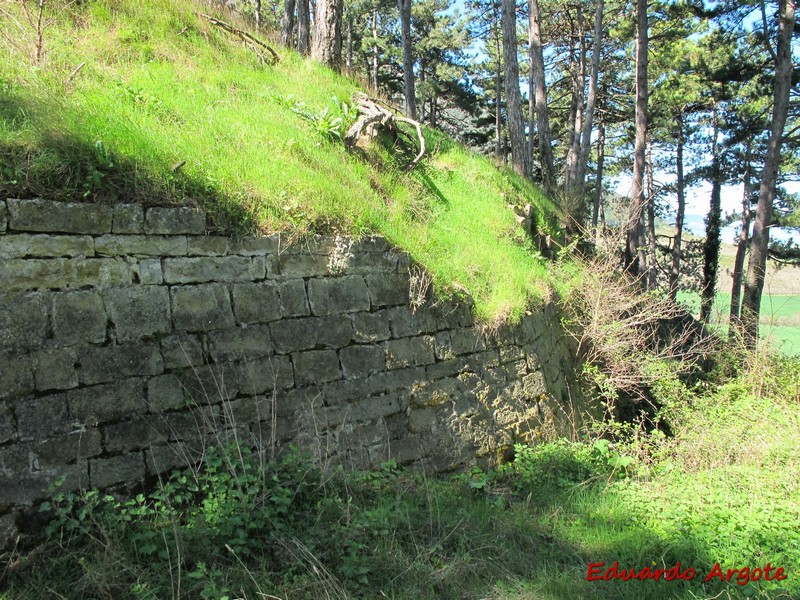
<point x="161" y="87"/>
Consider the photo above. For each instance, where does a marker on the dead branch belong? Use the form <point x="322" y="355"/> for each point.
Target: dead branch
<point x="376" y="117"/>
<point x="249" y="40"/>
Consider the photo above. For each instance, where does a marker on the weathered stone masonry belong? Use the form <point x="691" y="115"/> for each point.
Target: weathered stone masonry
<point x="129" y="339"/>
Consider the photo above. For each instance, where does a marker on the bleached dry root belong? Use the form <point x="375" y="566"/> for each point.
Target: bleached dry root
<point x="374" y="118"/>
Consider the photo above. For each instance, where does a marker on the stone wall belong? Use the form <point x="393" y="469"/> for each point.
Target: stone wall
<point x="130" y="340"/>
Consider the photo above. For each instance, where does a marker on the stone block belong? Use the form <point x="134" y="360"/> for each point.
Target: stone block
<point x="376" y="407"/>
<point x="373" y="262"/>
<point x="165" y="392"/>
<point x="534" y="385"/>
<point x="150" y="272"/>
<point x="404" y="322"/>
<point x="371" y="326"/>
<point x="510" y="353"/>
<point x="329" y="296"/>
<point x="362" y="361"/>
<point x="407" y="450"/>
<point x="126" y="468"/>
<point x="3" y="217"/>
<point x="78" y="317"/>
<point x="63" y="273"/>
<point x="160" y="459"/>
<point x="408" y="352"/>
<point x="334" y="332"/>
<point x="8" y="430"/>
<point x="255" y="246"/>
<point x="174" y="221"/>
<point x="139" y="311"/>
<point x="387" y="289"/>
<point x="316" y="366"/>
<point x="128" y="218"/>
<point x="246" y="410"/>
<point x="398" y="379"/>
<point x="140" y="245"/>
<point x="210" y="384"/>
<point x="64" y="217"/>
<point x="443" y="346"/>
<point x="40" y="246"/>
<point x="101" y="364"/>
<point x="434" y="393"/>
<point x="23" y="321"/>
<point x="26" y="490"/>
<point x="265" y="375"/>
<point x="530" y="329"/>
<point x="206" y="269"/>
<point x="293" y="298"/>
<point x="208" y="245"/>
<point x="201" y="307"/>
<point x="445" y="368"/>
<point x="69" y="447"/>
<point x="103" y="403"/>
<point x="239" y="343"/>
<point x="194" y="426"/>
<point x="296" y="266"/>
<point x="421" y="420"/>
<point x="466" y="341"/>
<point x="55" y="369"/>
<point x="16" y="375"/>
<point x="256" y="302"/>
<point x="135" y="434"/>
<point x="289" y="335"/>
<point x="39" y="418"/>
<point x="181" y="350"/>
<point x="341" y="392"/>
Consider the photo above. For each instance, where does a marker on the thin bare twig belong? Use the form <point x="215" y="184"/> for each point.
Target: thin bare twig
<point x="244" y="36"/>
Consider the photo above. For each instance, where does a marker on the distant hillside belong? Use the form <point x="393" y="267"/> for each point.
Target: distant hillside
<point x="149" y="102"/>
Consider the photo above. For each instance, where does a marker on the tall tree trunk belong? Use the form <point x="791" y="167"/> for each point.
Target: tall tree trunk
<point x="303" y="27"/>
<point x="575" y="126"/>
<point x="326" y="44"/>
<point x="348" y="63"/>
<point x="734" y="325"/>
<point x="711" y="245"/>
<point x="598" y="186"/>
<point x="287" y="23"/>
<point x="754" y="284"/>
<point x="375" y="50"/>
<point x="652" y="270"/>
<point x="591" y="100"/>
<point x="257" y="11"/>
<point x="542" y="111"/>
<point x="675" y="270"/>
<point x="498" y="87"/>
<point x="513" y="98"/>
<point x="634" y="250"/>
<point x="409" y="95"/>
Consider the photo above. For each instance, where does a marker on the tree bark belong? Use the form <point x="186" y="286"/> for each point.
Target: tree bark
<point x="712" y="241"/>
<point x="348" y="62"/>
<point x="375" y="50"/>
<point x="498" y="87"/>
<point x="542" y="111"/>
<point x="409" y="93"/>
<point x="303" y="27"/>
<point x="257" y="10"/>
<point x="326" y="44"/>
<point x="634" y="250"/>
<point x="675" y="270"/>
<point x="513" y="98"/>
<point x="575" y="126"/>
<point x="287" y="23"/>
<point x="591" y="99"/>
<point x="652" y="266"/>
<point x="754" y="284"/>
<point x="734" y="324"/>
<point x="598" y="187"/>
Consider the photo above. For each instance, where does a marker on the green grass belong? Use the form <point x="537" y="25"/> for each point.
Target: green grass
<point x="168" y="109"/>
<point x="780" y="317"/>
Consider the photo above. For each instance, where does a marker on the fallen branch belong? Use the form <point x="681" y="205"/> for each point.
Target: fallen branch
<point x="376" y="117"/>
<point x="248" y="39"/>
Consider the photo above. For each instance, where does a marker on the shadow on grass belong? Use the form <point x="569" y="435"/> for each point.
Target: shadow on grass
<point x="42" y="155"/>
